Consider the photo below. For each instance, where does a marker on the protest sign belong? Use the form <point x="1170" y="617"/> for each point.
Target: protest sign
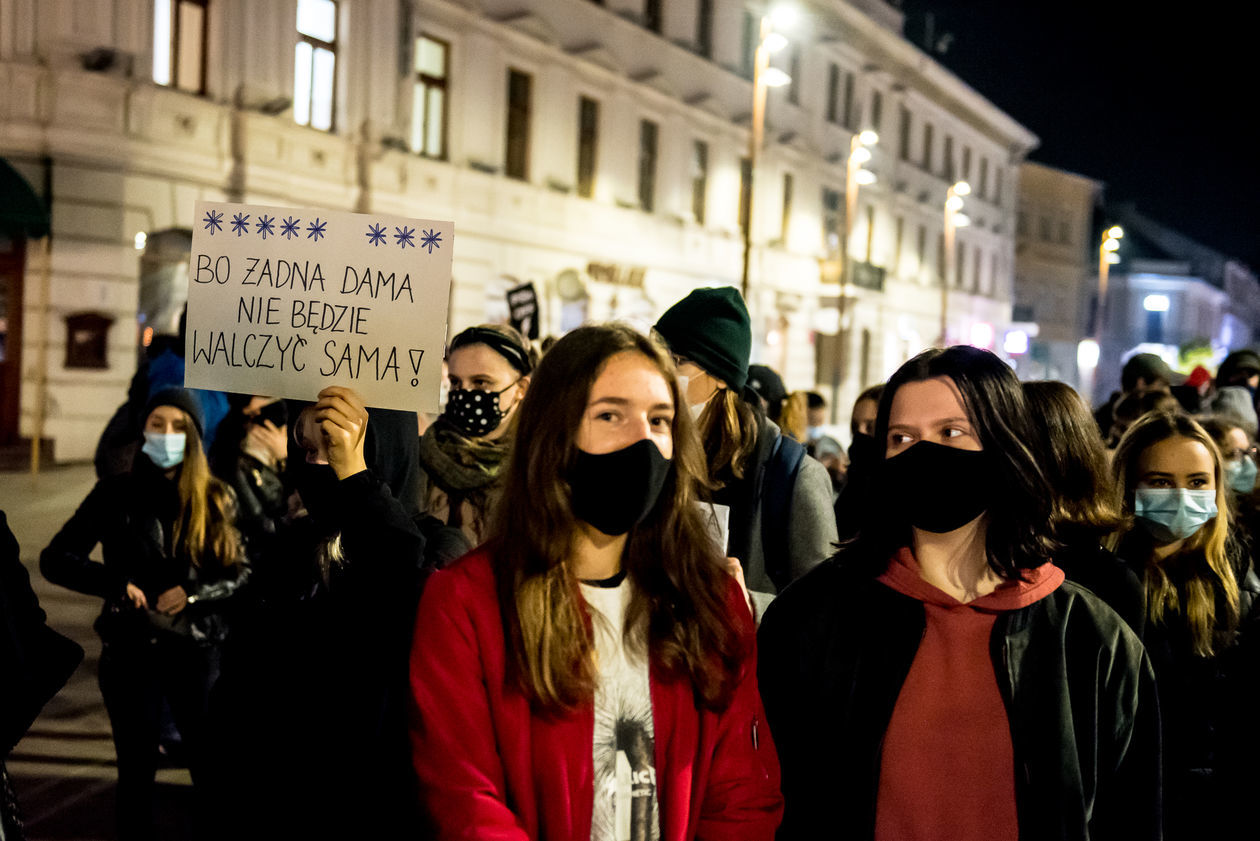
<point x="284" y="301"/>
<point x="523" y="310"/>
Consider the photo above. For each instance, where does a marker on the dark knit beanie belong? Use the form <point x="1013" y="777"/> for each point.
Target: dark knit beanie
<point x="711" y="328"/>
<point x="180" y="398"/>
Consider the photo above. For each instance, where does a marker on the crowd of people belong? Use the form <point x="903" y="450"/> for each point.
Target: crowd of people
<point x="634" y="588"/>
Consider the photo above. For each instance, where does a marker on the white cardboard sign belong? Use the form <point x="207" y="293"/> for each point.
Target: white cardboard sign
<point x="284" y="301"/>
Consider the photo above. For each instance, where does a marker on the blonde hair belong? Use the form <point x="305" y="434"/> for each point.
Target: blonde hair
<point x="1186" y="584"/>
<point x="206" y="526"/>
<point x="794" y="420"/>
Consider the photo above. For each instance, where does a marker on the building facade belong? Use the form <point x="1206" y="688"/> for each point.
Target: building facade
<point x="596" y="150"/>
<point x="1056" y="270"/>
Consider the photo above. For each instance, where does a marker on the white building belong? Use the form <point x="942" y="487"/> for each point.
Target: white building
<point x="591" y="148"/>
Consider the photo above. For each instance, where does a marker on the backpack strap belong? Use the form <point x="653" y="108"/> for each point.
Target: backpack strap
<point x="777" y="484"/>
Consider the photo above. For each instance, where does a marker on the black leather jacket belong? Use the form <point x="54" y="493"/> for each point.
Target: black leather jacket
<point x="835" y="649"/>
<point x="132" y="516"/>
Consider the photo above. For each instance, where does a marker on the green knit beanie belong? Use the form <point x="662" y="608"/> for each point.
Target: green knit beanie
<point x="711" y="328"/>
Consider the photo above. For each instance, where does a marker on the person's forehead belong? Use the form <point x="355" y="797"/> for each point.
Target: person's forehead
<point x="1176" y="455"/>
<point x="926" y="400"/>
<point x="630" y="376"/>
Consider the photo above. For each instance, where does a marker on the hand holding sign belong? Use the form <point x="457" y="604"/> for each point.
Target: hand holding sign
<point x="342" y="423"/>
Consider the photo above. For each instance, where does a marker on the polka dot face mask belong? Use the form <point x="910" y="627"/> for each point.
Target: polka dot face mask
<point x="474" y="412"/>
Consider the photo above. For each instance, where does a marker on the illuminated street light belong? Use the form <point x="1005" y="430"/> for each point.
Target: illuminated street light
<point x="1113" y="258"/>
<point x="864" y="177"/>
<point x="1111" y="244"/>
<point x="953" y="220"/>
<point x="1155" y="303"/>
<point x="868" y="138"/>
<point x="770" y="40"/>
<point x="1087" y="354"/>
<point x="861" y="154"/>
<point x="1115" y="232"/>
<point x="855" y="177"/>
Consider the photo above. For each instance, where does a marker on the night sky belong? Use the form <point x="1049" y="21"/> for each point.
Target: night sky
<point x="1153" y="103"/>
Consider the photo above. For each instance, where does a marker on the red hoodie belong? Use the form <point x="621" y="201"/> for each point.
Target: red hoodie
<point x="947" y="771"/>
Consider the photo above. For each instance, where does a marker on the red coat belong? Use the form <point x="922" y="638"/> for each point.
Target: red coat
<point x="491" y="770"/>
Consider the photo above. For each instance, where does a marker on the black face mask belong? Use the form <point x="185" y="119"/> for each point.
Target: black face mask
<point x="938" y="488"/>
<point x="614" y="492"/>
<point x="864" y="452"/>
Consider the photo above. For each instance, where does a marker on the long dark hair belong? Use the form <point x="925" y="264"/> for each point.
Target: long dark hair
<point x="680" y="610"/>
<point x="1019" y="535"/>
<point x="1086" y="504"/>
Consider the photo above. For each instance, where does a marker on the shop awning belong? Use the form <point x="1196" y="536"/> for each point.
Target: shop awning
<point x="21" y="211"/>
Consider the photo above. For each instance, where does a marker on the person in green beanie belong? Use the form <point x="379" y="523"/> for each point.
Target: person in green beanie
<point x="463" y="452"/>
<point x="781" y="522"/>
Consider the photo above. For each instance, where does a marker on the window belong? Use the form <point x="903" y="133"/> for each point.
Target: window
<point x="877" y="110"/>
<point x="794" y="71"/>
<point x="314" y="68"/>
<point x="960" y="261"/>
<point x="831" y="219"/>
<point x="977" y="269"/>
<point x="704" y="28"/>
<point x="588" y="143"/>
<point x="949" y="159"/>
<point x="748" y="44"/>
<point x="87" y="340"/>
<point x="179" y="44"/>
<point x="904" y="145"/>
<point x="984" y="178"/>
<point x="745" y="194"/>
<point x="428" y="103"/>
<point x="1065" y="232"/>
<point x="1045" y="229"/>
<point x="899" y="230"/>
<point x="652" y="15"/>
<point x="940" y="258"/>
<point x="516" y="164"/>
<point x="786" y="224"/>
<point x="833" y="94"/>
<point x="993" y="274"/>
<point x="848" y="101"/>
<point x="1022" y="224"/>
<point x="966" y="163"/>
<point x="927" y="147"/>
<point x="647" y="165"/>
<point x="921" y="249"/>
<point x="997" y="186"/>
<point x="699" y="178"/>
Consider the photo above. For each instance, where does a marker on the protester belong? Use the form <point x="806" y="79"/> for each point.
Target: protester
<point x="864" y="456"/>
<point x="954" y="685"/>
<point x="1086" y="507"/>
<point x="173" y="566"/>
<point x="1143" y="372"/>
<point x="592" y="666"/>
<point x="1202" y="622"/>
<point x="315" y="677"/>
<point x="1236" y="381"/>
<point x="249" y="455"/>
<point x="1134" y="405"/>
<point x="781" y="522"/>
<point x="463" y="452"/>
<point x="35" y="662"/>
<point x="766" y="383"/>
<point x="794" y="418"/>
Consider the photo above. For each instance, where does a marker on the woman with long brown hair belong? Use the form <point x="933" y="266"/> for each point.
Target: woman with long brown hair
<point x="173" y="561"/>
<point x="592" y="666"/>
<point x="1202" y="621"/>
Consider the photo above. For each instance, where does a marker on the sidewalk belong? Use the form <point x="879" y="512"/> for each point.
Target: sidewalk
<point x="64" y="769"/>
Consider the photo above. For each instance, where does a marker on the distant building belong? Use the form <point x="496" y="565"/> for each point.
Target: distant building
<point x="1056" y="270"/>
<point x="594" y="149"/>
<point x="1170" y="294"/>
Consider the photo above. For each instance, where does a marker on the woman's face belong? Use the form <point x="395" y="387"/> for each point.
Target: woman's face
<point x="700" y="384"/>
<point x="1237" y="445"/>
<point x="480" y="367"/>
<point x="1177" y="462"/>
<point x="929" y="410"/>
<point x="864" y="412"/>
<point x="629" y="401"/>
<point x="166" y="420"/>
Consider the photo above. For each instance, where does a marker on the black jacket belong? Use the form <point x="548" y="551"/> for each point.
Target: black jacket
<point x="132" y="517"/>
<point x="835" y="649"/>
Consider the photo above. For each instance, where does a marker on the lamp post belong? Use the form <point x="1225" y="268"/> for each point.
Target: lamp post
<point x="1106" y="256"/>
<point x="954" y="219"/>
<point x="764" y="77"/>
<point x="854" y="179"/>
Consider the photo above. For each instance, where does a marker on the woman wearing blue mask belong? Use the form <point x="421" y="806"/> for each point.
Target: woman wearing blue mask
<point x="1201" y="615"/>
<point x="463" y="452"/>
<point x="173" y="563"/>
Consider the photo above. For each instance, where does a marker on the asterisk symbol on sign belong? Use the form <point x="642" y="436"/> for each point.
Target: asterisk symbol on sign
<point x="290" y="227"/>
<point x="316" y="229"/>
<point x="266" y="225"/>
<point x="404" y="236"/>
<point x="430" y="239"/>
<point x="240" y="223"/>
<point x="376" y="234"/>
<point x="214" y="221"/>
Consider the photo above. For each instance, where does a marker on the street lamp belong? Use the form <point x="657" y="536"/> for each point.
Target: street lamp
<point x="954" y="218"/>
<point x="764" y="76"/>
<point x="1106" y="256"/>
<point x="855" y="177"/>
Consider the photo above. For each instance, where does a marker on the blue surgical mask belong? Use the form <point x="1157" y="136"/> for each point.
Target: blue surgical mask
<point x="1241" y="475"/>
<point x="1171" y="514"/>
<point x="165" y="449"/>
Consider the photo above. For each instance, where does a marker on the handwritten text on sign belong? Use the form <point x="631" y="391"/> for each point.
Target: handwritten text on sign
<point x="285" y="301"/>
